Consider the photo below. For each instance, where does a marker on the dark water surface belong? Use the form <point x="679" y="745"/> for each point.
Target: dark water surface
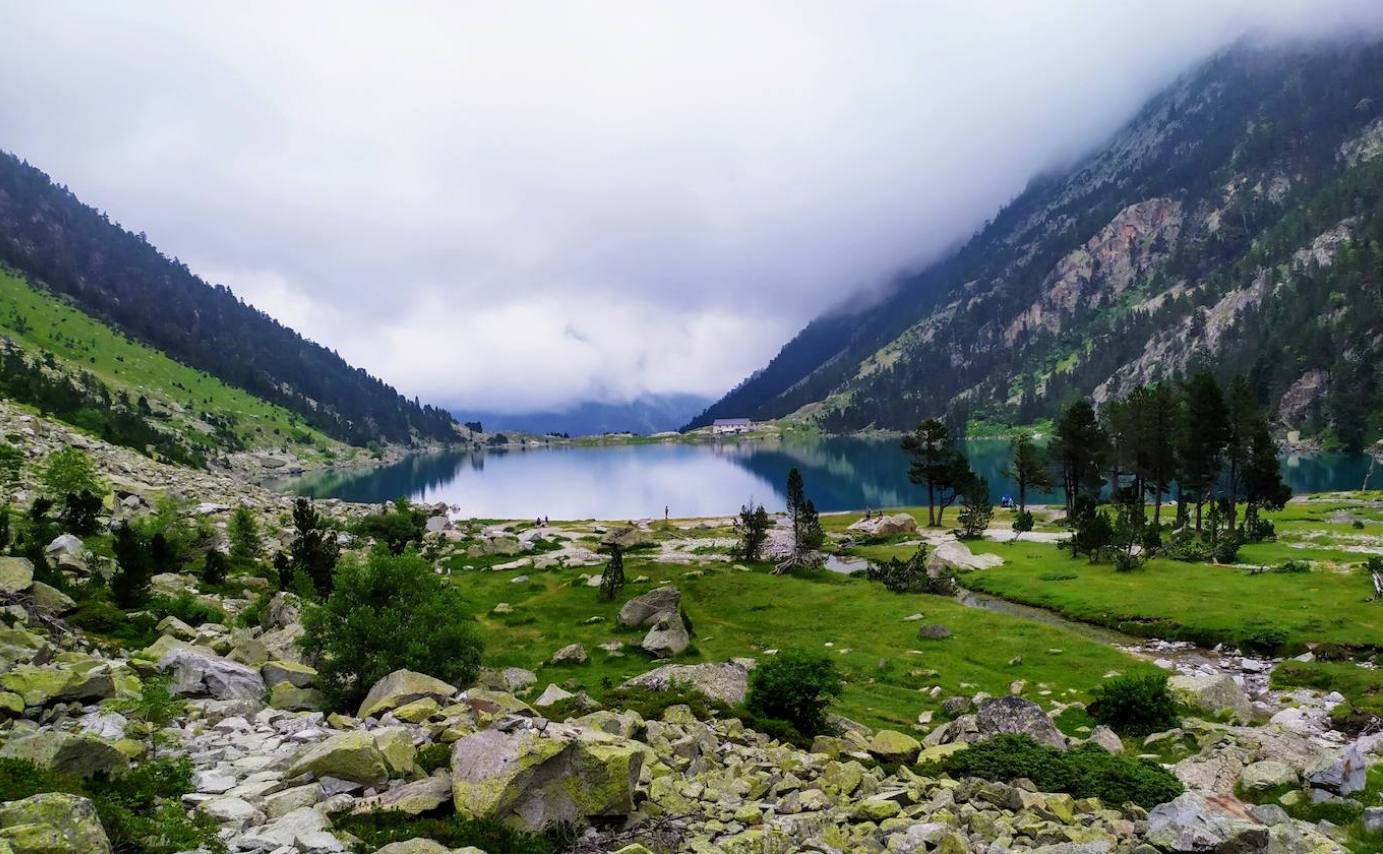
<point x="637" y="481"/>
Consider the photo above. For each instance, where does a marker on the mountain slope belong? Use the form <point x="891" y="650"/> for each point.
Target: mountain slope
<point x="66" y="364"/>
<point x="651" y="413"/>
<point x="47" y="234"/>
<point x="1233" y="223"/>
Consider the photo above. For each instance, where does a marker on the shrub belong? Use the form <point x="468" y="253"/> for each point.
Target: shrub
<point x="79" y="512"/>
<point x="1083" y="772"/>
<point x="69" y="470"/>
<point x="975" y="509"/>
<point x="140" y="810"/>
<point x="214" y="569"/>
<point x="1135" y="704"/>
<point x="1022" y="521"/>
<point x="795" y="686"/>
<point x="1292" y="567"/>
<point x="901" y="576"/>
<point x="387" y="613"/>
<point x="187" y="608"/>
<point x="396" y="528"/>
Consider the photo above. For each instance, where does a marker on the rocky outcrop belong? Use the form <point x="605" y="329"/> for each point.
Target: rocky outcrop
<point x="1215" y="694"/>
<point x="535" y="780"/>
<point x="955" y="556"/>
<point x="76" y="755"/>
<point x="667" y="637"/>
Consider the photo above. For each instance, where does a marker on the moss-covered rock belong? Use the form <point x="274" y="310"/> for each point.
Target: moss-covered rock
<point x="286" y="695"/>
<point x="532" y="781"/>
<point x="52" y="823"/>
<point x="400" y="688"/>
<point x="893" y="746"/>
<point x="75" y="755"/>
<point x="350" y="756"/>
<point x="16" y="574"/>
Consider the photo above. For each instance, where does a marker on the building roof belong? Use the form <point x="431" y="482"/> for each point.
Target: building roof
<point x="731" y="422"/>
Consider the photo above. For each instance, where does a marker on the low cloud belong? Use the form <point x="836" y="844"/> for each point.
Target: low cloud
<point x="520" y="205"/>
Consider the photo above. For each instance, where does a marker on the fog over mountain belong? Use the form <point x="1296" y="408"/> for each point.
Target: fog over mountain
<point x="519" y="207"/>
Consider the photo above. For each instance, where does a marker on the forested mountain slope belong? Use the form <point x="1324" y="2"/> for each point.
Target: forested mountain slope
<point x="48" y="235"/>
<point x="1233" y="224"/>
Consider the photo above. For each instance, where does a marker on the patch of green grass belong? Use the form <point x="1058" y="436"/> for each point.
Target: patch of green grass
<point x="1362" y="687"/>
<point x="744" y="613"/>
<point x="42" y="323"/>
<point x="1203" y="603"/>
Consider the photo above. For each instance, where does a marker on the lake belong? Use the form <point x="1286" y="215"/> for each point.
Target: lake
<point x="638" y="481"/>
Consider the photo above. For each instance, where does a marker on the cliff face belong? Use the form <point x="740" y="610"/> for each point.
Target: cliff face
<point x="1232" y="225"/>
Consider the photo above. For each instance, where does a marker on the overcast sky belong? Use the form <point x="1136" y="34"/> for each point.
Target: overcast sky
<point x="513" y="205"/>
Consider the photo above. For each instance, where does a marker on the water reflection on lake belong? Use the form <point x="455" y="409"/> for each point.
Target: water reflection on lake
<point x="638" y="481"/>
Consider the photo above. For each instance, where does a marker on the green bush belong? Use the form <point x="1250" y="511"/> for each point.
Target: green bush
<point x="795" y="686"/>
<point x="1135" y="704"/>
<point x="379" y="829"/>
<point x="1084" y="771"/>
<point x="1022" y="521"/>
<point x="187" y="608"/>
<point x="1292" y="567"/>
<point x="386" y="613"/>
<point x="140" y="810"/>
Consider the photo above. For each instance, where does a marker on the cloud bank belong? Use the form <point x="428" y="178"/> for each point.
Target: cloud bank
<point x="519" y="205"/>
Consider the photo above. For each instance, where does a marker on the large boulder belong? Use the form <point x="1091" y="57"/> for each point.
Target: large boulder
<point x="198" y="673"/>
<point x="1344" y="771"/>
<point x="726" y="682"/>
<point x="284" y="610"/>
<point x="1193" y="823"/>
<point x="646" y="608"/>
<point x="401" y="688"/>
<point x="415" y="798"/>
<point x="889" y="745"/>
<point x="1017" y="715"/>
<point x="955" y="556"/>
<point x="572" y="653"/>
<point x="71" y="678"/>
<point x="18" y="646"/>
<point x="78" y="755"/>
<point x="1216" y="694"/>
<point x="350" y="756"/>
<point x="881" y="525"/>
<point x="52" y="823"/>
<point x="16" y="574"/>
<point x="536" y="781"/>
<point x="668" y="637"/>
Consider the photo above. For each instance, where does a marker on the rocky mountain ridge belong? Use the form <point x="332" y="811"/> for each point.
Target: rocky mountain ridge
<point x="1230" y="225"/>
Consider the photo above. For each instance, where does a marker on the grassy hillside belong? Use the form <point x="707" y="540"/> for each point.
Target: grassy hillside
<point x="198" y="407"/>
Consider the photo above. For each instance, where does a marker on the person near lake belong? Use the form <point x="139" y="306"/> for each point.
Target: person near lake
<point x="666" y="510"/>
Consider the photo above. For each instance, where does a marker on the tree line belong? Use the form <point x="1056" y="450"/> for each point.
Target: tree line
<point x="47" y="234"/>
<point x="1203" y="448"/>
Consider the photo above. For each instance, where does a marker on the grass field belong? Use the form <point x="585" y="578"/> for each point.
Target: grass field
<point x="742" y="613"/>
<point x="42" y="323"/>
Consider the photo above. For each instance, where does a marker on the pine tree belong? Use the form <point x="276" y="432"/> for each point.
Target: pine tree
<point x="1079" y="449"/>
<point x="129" y="585"/>
<point x="1203" y="436"/>
<point x="1028" y="468"/>
<point x="245" y="541"/>
<point x="214" y="568"/>
<point x="929" y="446"/>
<point x="313" y="550"/>
<point x="752" y="527"/>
